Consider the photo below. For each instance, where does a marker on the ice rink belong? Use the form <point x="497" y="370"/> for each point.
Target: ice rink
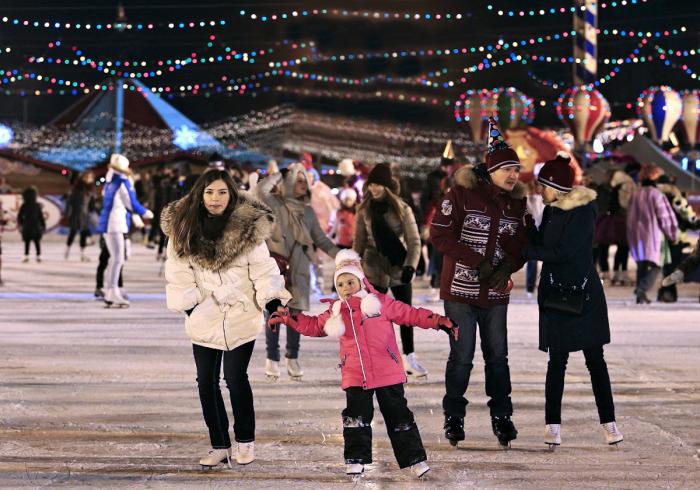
<point x="108" y="398"/>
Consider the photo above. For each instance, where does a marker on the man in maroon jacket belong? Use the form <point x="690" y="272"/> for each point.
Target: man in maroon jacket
<point x="480" y="228"/>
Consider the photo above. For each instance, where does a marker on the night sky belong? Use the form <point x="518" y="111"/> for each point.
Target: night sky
<point x="334" y="35"/>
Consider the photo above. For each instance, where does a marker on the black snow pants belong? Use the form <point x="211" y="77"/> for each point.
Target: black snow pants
<point x="399" y="421"/>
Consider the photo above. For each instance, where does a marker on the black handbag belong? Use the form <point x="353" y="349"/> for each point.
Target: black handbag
<point x="565" y="301"/>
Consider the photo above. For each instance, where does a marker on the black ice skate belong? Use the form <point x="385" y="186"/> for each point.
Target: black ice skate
<point x="504" y="430"/>
<point x="454" y="429"/>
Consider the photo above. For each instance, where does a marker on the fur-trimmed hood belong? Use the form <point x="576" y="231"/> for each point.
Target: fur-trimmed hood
<point x="250" y="224"/>
<point x="578" y="196"/>
<point x="290" y="179"/>
<point x="466" y="177"/>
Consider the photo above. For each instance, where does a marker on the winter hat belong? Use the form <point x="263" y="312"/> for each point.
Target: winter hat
<point x="346" y="167"/>
<point x="348" y="193"/>
<point x="650" y="171"/>
<point x="119" y="163"/>
<point x="557" y="173"/>
<point x="381" y="174"/>
<point x="293" y="171"/>
<point x="498" y="153"/>
<point x="348" y="262"/>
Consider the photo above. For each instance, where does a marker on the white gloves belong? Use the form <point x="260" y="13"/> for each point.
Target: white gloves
<point x="148" y="214"/>
<point x="227" y="295"/>
<point x="138" y="222"/>
<point x="673" y="278"/>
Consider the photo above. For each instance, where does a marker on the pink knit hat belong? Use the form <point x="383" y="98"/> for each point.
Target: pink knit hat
<point x="348" y="262"/>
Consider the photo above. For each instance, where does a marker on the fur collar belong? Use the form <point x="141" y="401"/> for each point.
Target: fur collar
<point x="578" y="196"/>
<point x="370" y="306"/>
<point x="250" y="224"/>
<point x="466" y="177"/>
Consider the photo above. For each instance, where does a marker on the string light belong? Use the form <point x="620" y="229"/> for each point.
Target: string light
<point x="148" y="26"/>
<point x="560" y="10"/>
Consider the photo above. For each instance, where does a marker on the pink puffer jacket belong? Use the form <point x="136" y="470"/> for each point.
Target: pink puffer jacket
<point x="369" y="356"/>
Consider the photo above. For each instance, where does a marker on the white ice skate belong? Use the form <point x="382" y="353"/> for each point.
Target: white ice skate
<point x="420" y="469"/>
<point x="272" y="370"/>
<point x="215" y="457"/>
<point x="245" y="452"/>
<point x="114" y="299"/>
<point x="412" y="367"/>
<point x="354" y="469"/>
<point x="612" y="435"/>
<point x="294" y="369"/>
<point x="552" y="435"/>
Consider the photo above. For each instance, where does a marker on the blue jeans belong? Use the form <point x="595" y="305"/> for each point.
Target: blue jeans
<point x="494" y="346"/>
<point x="272" y="341"/>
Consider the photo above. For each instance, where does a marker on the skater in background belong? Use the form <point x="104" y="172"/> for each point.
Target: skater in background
<point x="685" y="268"/>
<point x="481" y="229"/>
<point x="650" y="223"/>
<point x="387" y="239"/>
<point x="573" y="311"/>
<point x="296" y="233"/>
<point x="220" y="274"/>
<point x="362" y="319"/>
<point x="115" y="221"/>
<point x="79" y="204"/>
<point x="343" y="226"/>
<point x="30" y="220"/>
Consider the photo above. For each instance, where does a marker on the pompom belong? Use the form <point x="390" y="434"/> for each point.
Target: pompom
<point x="563" y="155"/>
<point x="346" y="167"/>
<point x="370" y="305"/>
<point x="334" y="327"/>
<point x="346" y="255"/>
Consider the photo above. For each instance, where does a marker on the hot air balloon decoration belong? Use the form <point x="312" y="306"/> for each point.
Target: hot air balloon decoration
<point x="474" y="108"/>
<point x="512" y="109"/>
<point x="660" y="108"/>
<point x="690" y="116"/>
<point x="584" y="110"/>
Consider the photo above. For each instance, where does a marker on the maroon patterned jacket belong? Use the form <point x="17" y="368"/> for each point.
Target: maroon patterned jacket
<point x="477" y="221"/>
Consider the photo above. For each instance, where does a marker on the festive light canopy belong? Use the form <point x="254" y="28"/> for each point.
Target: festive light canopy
<point x="660" y="107"/>
<point x="585" y="111"/>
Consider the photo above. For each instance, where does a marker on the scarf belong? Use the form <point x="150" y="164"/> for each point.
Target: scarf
<point x="388" y="244"/>
<point x="213" y="226"/>
<point x="300" y="234"/>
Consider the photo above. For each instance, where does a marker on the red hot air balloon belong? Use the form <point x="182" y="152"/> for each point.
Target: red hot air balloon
<point x="474" y="108"/>
<point x="690" y="115"/>
<point x="584" y="110"/>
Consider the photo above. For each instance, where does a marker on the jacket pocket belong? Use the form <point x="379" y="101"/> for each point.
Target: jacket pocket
<point x="393" y="356"/>
<point x="343" y="359"/>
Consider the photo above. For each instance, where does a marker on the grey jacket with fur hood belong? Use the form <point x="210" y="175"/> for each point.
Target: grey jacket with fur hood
<point x="225" y="291"/>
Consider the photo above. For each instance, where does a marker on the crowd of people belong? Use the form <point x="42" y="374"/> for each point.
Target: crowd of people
<point x="242" y="254"/>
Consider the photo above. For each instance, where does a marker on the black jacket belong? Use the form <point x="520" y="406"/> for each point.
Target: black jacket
<point x="564" y="244"/>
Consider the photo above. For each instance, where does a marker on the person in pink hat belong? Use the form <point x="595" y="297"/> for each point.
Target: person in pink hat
<point x="362" y="319"/>
<point x="573" y="310"/>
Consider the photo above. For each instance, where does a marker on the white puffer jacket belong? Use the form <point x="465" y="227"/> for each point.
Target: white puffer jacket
<point x="238" y="263"/>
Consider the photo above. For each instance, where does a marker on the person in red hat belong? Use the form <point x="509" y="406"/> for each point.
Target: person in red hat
<point x="573" y="311"/>
<point x="480" y="228"/>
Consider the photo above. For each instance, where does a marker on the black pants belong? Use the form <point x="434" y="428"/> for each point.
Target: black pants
<point x="102" y="266"/>
<point x="84" y="234"/>
<point x="37" y="246"/>
<point x="399" y="421"/>
<point x="647" y="275"/>
<point x="235" y="362"/>
<point x="554" y="385"/>
<point x="403" y="293"/>
<point x="620" y="260"/>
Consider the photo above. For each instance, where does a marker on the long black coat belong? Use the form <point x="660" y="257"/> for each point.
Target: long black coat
<point x="564" y="244"/>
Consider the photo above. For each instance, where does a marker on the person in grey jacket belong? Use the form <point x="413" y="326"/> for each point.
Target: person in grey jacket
<point x="388" y="240"/>
<point x="296" y="235"/>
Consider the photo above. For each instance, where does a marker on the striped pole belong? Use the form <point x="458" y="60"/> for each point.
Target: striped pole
<point x="585" y="42"/>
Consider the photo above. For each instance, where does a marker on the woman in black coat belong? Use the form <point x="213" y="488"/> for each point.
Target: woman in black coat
<point x="573" y="311"/>
<point x="30" y="220"/>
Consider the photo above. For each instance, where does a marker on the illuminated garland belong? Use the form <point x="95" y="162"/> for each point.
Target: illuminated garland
<point x="118" y="26"/>
<point x="560" y="10"/>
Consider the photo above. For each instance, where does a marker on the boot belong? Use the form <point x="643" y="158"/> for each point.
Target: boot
<point x="552" y="435"/>
<point x="272" y="370"/>
<point x="215" y="457"/>
<point x="245" y="452"/>
<point x="412" y="367"/>
<point x="504" y="429"/>
<point x="65" y="255"/>
<point x="420" y="469"/>
<point x="83" y="257"/>
<point x="294" y="369"/>
<point x="354" y="469"/>
<point x="113" y="298"/>
<point x="612" y="434"/>
<point x="99" y="293"/>
<point x="605" y="278"/>
<point x="25" y="259"/>
<point x="454" y="429"/>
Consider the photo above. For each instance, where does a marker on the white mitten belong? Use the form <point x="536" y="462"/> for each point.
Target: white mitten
<point x="673" y="278"/>
<point x="148" y="214"/>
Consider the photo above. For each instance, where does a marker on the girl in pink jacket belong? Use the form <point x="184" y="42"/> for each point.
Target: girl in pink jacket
<point x="370" y="362"/>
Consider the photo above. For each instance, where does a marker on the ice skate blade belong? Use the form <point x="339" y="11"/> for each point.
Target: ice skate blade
<point x="453" y="443"/>
<point x="552" y="446"/>
<point x="115" y="305"/>
<point x="505" y="445"/>
<point x="272" y="378"/>
<point x="298" y="379"/>
<point x="616" y="444"/>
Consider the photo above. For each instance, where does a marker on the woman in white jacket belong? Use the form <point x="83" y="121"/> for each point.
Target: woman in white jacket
<point x="220" y="274"/>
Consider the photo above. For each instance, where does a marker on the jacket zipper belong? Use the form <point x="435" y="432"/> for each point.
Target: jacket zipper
<point x="223" y="323"/>
<point x="393" y="356"/>
<point x="359" y="352"/>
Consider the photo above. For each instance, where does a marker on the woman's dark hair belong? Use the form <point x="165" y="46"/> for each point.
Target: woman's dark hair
<point x="29" y="194"/>
<point x="189" y="213"/>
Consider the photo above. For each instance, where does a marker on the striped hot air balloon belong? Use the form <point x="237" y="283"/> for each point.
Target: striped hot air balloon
<point x="512" y="108"/>
<point x="690" y="115"/>
<point x="660" y="108"/>
<point x="584" y="110"/>
<point x="474" y="108"/>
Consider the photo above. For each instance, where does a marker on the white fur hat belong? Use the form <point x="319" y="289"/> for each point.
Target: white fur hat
<point x="119" y="163"/>
<point x="346" y="167"/>
<point x="348" y="193"/>
<point x="348" y="262"/>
